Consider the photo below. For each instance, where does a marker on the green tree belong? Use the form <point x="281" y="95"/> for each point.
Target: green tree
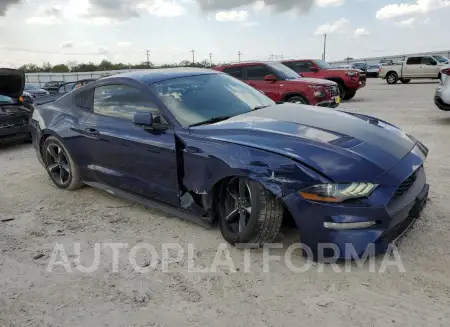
<point x="61" y="68"/>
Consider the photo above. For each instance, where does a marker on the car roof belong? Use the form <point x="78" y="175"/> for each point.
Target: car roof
<point x="247" y="63"/>
<point x="151" y="76"/>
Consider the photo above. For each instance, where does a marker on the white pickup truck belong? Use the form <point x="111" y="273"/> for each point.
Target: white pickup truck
<point x="414" y="67"/>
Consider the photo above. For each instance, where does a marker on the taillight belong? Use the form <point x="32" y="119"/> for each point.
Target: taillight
<point x="446" y="71"/>
<point x="379" y="69"/>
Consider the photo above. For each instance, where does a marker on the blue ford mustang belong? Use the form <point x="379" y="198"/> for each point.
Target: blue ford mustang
<point x="205" y="146"/>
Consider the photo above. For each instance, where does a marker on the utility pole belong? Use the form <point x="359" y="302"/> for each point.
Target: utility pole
<point x="148" y="58"/>
<point x="324" y="47"/>
<point x="271" y="56"/>
<point x="239" y="56"/>
<point x="210" y="59"/>
<point x="193" y="56"/>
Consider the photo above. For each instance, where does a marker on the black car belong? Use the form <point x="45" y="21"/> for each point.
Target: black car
<point x="63" y="89"/>
<point x="15" y="113"/>
<point x="53" y="86"/>
<point x="35" y="90"/>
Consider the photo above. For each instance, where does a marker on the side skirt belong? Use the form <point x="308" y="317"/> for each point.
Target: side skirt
<point x="151" y="203"/>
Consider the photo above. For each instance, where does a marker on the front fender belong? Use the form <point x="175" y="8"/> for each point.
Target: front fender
<point x="206" y="163"/>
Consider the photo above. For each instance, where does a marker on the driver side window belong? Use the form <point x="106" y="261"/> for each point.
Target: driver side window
<point x="123" y="101"/>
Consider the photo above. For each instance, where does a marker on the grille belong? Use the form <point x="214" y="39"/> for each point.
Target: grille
<point x="405" y="186"/>
<point x="333" y="91"/>
<point x="13" y="123"/>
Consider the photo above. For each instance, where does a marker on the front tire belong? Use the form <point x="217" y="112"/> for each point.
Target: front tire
<point x="60" y="166"/>
<point x="342" y="91"/>
<point x="248" y="213"/>
<point x="350" y="95"/>
<point x="392" y="78"/>
<point x="297" y="99"/>
<point x="405" y="80"/>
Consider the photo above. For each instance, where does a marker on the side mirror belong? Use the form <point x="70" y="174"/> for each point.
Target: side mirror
<point x="314" y="69"/>
<point x="301" y="75"/>
<point x="270" y="78"/>
<point x="143" y="119"/>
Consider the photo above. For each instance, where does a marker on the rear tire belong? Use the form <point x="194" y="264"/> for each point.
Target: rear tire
<point x="248" y="213"/>
<point x="297" y="99"/>
<point x="350" y="95"/>
<point x="60" y="166"/>
<point x="405" y="80"/>
<point x="392" y="78"/>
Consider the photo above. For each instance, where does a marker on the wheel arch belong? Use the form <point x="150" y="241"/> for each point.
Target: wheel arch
<point x="291" y="94"/>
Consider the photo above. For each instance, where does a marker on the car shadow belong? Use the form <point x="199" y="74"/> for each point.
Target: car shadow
<point x="14" y="145"/>
<point x="443" y="121"/>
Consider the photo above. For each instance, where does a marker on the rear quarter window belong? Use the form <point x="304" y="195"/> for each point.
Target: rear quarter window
<point x="236" y="72"/>
<point x="84" y="99"/>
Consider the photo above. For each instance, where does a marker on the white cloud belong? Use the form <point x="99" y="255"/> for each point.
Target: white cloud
<point x="329" y="3"/>
<point x="406" y="22"/>
<point x="67" y="45"/>
<point x="50" y="20"/>
<point x="162" y="8"/>
<point x="259" y="6"/>
<point x="103" y="51"/>
<point x="123" y="44"/>
<point x="232" y="15"/>
<point x="361" y="31"/>
<point x="46" y="15"/>
<point x="407" y="9"/>
<point x="338" y="27"/>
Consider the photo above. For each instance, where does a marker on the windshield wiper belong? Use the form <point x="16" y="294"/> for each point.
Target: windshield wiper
<point x="211" y="121"/>
<point x="260" y="107"/>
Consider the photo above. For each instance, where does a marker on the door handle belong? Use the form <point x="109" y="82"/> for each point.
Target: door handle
<point x="92" y="131"/>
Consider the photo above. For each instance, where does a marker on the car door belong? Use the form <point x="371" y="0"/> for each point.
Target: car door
<point x="305" y="68"/>
<point x="429" y="67"/>
<point x="411" y="67"/>
<point x="254" y="76"/>
<point x="133" y="158"/>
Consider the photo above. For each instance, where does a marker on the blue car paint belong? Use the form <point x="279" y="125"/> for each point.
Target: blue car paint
<point x="285" y="148"/>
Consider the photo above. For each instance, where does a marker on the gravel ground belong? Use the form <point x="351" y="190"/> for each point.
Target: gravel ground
<point x="321" y="296"/>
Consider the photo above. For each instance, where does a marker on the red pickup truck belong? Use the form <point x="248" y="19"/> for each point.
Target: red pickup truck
<point x="282" y="84"/>
<point x="349" y="80"/>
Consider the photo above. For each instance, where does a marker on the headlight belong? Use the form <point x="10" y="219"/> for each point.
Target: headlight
<point x="337" y="192"/>
<point x="351" y="73"/>
<point x="319" y="91"/>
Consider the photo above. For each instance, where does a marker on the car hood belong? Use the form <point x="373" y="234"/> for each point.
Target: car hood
<point x="315" y="81"/>
<point x="12" y="82"/>
<point x="341" y="146"/>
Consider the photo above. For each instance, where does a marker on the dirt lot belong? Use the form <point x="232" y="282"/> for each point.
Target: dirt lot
<point x="44" y="215"/>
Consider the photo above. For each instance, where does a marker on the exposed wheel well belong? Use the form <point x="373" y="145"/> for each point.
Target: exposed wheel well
<point x="42" y="141"/>
<point x="391" y="72"/>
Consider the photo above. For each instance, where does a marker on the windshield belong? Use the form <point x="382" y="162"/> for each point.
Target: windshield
<point x="441" y="59"/>
<point x="283" y="71"/>
<point x="31" y="87"/>
<point x="6" y="100"/>
<point x="195" y="99"/>
<point x="322" y="64"/>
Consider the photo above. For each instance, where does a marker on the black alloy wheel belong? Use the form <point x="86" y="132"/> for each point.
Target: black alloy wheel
<point x="57" y="164"/>
<point x="238" y="205"/>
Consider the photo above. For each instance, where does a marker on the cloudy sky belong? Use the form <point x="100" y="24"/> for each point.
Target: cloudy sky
<point x="122" y="30"/>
